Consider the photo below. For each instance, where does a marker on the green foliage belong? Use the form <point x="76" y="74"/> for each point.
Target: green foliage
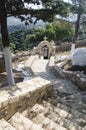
<point x="34" y="38"/>
<point x="57" y="31"/>
<point x="50" y="32"/>
<point x="78" y="7"/>
<point x="51" y="8"/>
<point x="25" y="39"/>
<point x="17" y="8"/>
<point x="17" y="38"/>
<point x="12" y="46"/>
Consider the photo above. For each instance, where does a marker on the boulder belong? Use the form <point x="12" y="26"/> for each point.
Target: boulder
<point x="79" y="57"/>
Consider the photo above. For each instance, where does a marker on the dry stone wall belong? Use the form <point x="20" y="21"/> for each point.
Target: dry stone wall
<point x="25" y="95"/>
<point x="76" y="77"/>
<point x="67" y="46"/>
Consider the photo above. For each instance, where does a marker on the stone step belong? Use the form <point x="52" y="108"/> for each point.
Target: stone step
<point x="57" y="115"/>
<point x="61" y="112"/>
<point x="22" y="123"/>
<point x="46" y="108"/>
<point x="76" y="115"/>
<point x="72" y="111"/>
<point x="46" y="123"/>
<point x="71" y="101"/>
<point x="4" y="125"/>
<point x="65" y="116"/>
<point x="68" y="109"/>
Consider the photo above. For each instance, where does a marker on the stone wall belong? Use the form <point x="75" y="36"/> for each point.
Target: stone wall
<point x="76" y="77"/>
<point x="28" y="65"/>
<point x="26" y="94"/>
<point x="57" y="71"/>
<point x="30" y="61"/>
<point x="67" y="47"/>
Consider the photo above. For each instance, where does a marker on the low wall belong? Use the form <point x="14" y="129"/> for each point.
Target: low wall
<point x="28" y="64"/>
<point x="67" y="47"/>
<point x="56" y="70"/>
<point x="75" y="77"/>
<point x="25" y="95"/>
<point x="30" y="61"/>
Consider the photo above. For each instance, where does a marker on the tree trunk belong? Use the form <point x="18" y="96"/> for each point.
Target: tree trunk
<point x="77" y="27"/>
<point x="72" y="48"/>
<point x="76" y="33"/>
<point x="5" y="41"/>
<point x="8" y="64"/>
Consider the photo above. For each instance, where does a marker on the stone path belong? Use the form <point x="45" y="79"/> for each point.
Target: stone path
<point x="64" y="110"/>
<point x="40" y="68"/>
<point x="64" y="91"/>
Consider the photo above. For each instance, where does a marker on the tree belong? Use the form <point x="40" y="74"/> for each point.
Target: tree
<point x="79" y="8"/>
<point x="12" y="46"/>
<point x="58" y="30"/>
<point x="17" y="8"/>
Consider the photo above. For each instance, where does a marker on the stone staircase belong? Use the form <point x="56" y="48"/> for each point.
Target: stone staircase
<point x="22" y="123"/>
<point x="65" y="110"/>
<point x="46" y="116"/>
<point x="56" y="117"/>
<point x="52" y="114"/>
<point x="19" y="122"/>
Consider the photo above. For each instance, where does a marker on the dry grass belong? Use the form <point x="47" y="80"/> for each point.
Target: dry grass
<point x="17" y="75"/>
<point x="63" y="53"/>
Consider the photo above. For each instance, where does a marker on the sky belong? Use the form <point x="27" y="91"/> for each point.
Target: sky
<point x="40" y="6"/>
<point x="67" y="1"/>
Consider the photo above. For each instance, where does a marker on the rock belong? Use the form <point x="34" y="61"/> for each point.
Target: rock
<point x="79" y="57"/>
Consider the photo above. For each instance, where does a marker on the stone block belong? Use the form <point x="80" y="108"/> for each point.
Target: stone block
<point x="5" y="125"/>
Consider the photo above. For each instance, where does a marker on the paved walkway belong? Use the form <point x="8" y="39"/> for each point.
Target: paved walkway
<point x="64" y="91"/>
<point x="40" y="68"/>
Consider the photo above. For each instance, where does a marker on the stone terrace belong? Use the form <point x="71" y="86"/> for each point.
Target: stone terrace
<point x="23" y="95"/>
<point x="65" y="109"/>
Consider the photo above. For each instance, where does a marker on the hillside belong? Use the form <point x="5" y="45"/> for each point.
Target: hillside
<point x="15" y="24"/>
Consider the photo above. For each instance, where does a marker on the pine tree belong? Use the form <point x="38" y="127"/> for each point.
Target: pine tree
<point x="18" y="9"/>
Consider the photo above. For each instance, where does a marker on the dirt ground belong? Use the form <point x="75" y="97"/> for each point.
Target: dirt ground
<point x="17" y="75"/>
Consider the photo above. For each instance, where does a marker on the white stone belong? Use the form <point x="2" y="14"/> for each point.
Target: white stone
<point x="79" y="57"/>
